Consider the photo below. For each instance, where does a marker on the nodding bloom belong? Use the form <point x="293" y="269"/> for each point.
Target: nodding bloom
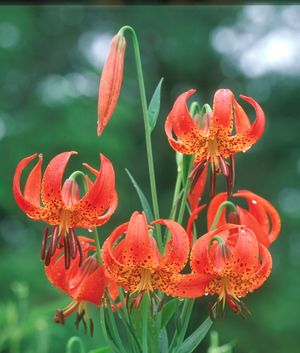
<point x="135" y="261"/>
<point x="212" y="139"/>
<point x="261" y="217"/>
<point x="84" y="284"/>
<point x="62" y="206"/>
<point x="111" y="81"/>
<point x="234" y="264"/>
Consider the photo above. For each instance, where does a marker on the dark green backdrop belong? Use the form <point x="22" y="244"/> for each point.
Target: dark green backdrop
<point x="50" y="60"/>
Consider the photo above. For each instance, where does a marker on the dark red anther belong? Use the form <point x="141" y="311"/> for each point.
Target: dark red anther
<point x="196" y="173"/>
<point x="91" y="327"/>
<point x="231" y="176"/>
<point x="223" y="166"/>
<point x="73" y="243"/>
<point x="48" y="257"/>
<point x="243" y="305"/>
<point x="197" y="169"/>
<point x="84" y="325"/>
<point x="67" y="252"/>
<point x="80" y="251"/>
<point x="212" y="181"/>
<point x="44" y="243"/>
<point x="54" y="240"/>
<point x="77" y="320"/>
<point x="59" y="317"/>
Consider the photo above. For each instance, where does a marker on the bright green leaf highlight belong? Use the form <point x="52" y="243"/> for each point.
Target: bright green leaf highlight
<point x="192" y="342"/>
<point x="154" y="106"/>
<point x="168" y="311"/>
<point x="101" y="350"/>
<point x="142" y="197"/>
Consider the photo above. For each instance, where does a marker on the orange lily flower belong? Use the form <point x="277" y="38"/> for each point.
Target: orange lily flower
<point x="111" y="81"/>
<point x="85" y="284"/>
<point x="212" y="141"/>
<point x="261" y="217"/>
<point x="136" y="263"/>
<point x="62" y="206"/>
<point x="233" y="262"/>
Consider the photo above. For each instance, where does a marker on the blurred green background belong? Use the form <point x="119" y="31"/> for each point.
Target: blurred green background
<point x="50" y="61"/>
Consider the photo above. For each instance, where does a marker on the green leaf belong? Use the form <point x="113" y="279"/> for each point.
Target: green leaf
<point x="101" y="350"/>
<point x="195" y="338"/>
<point x="142" y="197"/>
<point x="154" y="106"/>
<point x="168" y="311"/>
<point x="186" y="164"/>
<point x="163" y="341"/>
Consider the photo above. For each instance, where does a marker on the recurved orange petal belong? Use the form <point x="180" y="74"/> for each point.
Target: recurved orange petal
<point x="264" y="212"/>
<point x="177" y="249"/>
<point x="32" y="190"/>
<point x="222" y="116"/>
<point x="52" y="181"/>
<point x="190" y="137"/>
<point x="29" y="206"/>
<point x="213" y="207"/>
<point x="100" y="199"/>
<point x="140" y="249"/>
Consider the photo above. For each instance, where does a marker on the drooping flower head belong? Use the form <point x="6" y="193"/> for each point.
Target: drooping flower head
<point x="261" y="216"/>
<point x="111" y="81"/>
<point x="62" y="206"/>
<point x="135" y="261"/>
<point x="84" y="284"/>
<point x="212" y="139"/>
<point x="234" y="262"/>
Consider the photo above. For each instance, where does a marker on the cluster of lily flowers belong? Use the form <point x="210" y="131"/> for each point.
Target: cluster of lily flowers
<point x="230" y="260"/>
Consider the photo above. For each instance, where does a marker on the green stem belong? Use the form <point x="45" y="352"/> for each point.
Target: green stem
<point x="145" y="309"/>
<point x="175" y="197"/>
<point x="219" y="212"/>
<point x="195" y="108"/>
<point x="95" y="234"/>
<point x="146" y="124"/>
<point x="185" y="194"/>
<point x="71" y="343"/>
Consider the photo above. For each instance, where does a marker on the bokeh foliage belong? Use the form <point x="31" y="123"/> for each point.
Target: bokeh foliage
<point x="50" y="60"/>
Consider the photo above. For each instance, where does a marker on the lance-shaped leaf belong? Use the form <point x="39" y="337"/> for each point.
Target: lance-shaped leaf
<point x="154" y="106"/>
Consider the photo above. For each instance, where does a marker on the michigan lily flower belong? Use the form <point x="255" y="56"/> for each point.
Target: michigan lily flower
<point x="234" y="264"/>
<point x="62" y="206"/>
<point x="84" y="284"/>
<point x="212" y="139"/>
<point x="111" y="81"/>
<point x="261" y="216"/>
<point x="135" y="261"/>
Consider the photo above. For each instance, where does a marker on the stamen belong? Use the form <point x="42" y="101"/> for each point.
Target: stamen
<point x="44" y="243"/>
<point x="223" y="167"/>
<point x="80" y="251"/>
<point x="59" y="317"/>
<point x="48" y="257"/>
<point x="212" y="310"/>
<point x="212" y="181"/>
<point x="91" y="327"/>
<point x="231" y="176"/>
<point x="73" y="244"/>
<point x="196" y="173"/>
<point x="84" y="325"/>
<point x="67" y="252"/>
<point x="54" y="239"/>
